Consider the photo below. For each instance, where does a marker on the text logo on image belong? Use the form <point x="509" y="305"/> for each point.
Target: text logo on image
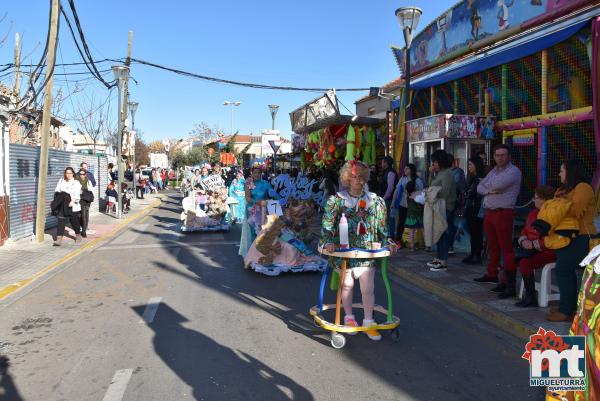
<point x="555" y="361"/>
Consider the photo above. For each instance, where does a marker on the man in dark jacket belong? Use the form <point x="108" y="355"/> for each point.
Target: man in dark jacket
<point x="90" y="175"/>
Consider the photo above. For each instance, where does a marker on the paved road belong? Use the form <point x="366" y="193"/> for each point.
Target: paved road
<point x="156" y="315"/>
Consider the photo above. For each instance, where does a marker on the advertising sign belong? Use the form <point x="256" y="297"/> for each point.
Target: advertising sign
<point x="450" y="126"/>
<point x="159" y="160"/>
<point x="265" y="145"/>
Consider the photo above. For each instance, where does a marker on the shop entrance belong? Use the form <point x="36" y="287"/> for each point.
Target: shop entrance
<point x="463" y="150"/>
<point x="420" y="154"/>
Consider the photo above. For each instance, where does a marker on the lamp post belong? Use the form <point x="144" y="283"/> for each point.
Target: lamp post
<point x="228" y="103"/>
<point x="408" y="18"/>
<point x="133" y="108"/>
<point x="273" y="109"/>
<point x="121" y="73"/>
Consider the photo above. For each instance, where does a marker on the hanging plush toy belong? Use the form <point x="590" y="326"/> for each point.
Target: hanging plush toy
<point x="358" y="143"/>
<point x="350" y="143"/>
<point x="369" y="148"/>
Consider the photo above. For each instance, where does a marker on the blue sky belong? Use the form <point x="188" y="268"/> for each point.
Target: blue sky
<point x="330" y="43"/>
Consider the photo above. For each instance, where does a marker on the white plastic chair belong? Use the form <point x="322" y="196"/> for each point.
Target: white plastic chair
<point x="546" y="291"/>
<point x="111" y="205"/>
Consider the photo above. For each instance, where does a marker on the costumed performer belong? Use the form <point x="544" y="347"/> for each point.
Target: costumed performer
<point x="256" y="190"/>
<point x="237" y="192"/>
<point x="367" y="216"/>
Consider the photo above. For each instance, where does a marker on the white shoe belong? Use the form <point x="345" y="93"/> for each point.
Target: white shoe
<point x="433" y="263"/>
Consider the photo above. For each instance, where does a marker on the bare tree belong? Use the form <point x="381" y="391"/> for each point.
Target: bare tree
<point x="94" y="119"/>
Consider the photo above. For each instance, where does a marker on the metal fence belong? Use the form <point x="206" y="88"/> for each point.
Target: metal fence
<point x="24" y="170"/>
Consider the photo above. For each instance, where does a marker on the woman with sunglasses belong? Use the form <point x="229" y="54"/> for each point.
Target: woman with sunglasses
<point x="68" y="189"/>
<point x="86" y="186"/>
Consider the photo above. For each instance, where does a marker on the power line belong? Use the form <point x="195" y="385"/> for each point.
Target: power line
<point x="87" y="57"/>
<point x="238" y="83"/>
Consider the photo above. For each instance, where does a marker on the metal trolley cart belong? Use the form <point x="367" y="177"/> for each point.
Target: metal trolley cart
<point x="337" y="339"/>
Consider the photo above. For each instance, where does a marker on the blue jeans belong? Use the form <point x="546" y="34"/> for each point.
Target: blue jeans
<point x="452" y="230"/>
<point x="443" y="245"/>
<point x="391" y="220"/>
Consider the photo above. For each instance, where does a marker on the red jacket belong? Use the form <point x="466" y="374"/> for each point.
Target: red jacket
<point x="529" y="233"/>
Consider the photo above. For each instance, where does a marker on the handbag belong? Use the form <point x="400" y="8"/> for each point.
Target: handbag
<point x="87" y="196"/>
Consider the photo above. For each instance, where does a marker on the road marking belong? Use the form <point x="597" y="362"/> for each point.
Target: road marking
<point x="120" y="227"/>
<point x="118" y="385"/>
<point x="150" y="310"/>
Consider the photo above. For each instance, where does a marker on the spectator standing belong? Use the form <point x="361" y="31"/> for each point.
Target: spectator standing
<point x="139" y="184"/>
<point x="461" y="185"/>
<point x="400" y="197"/>
<point x="576" y="188"/>
<point x="440" y="166"/>
<point x="112" y="172"/>
<point x="500" y="189"/>
<point x="532" y="254"/>
<point x="386" y="190"/>
<point x="87" y="197"/>
<point x="473" y="203"/>
<point x="68" y="188"/>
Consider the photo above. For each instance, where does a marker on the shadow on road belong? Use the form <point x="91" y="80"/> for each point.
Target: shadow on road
<point x="8" y="389"/>
<point x="216" y="372"/>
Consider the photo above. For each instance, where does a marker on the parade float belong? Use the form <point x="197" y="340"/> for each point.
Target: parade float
<point x="529" y="65"/>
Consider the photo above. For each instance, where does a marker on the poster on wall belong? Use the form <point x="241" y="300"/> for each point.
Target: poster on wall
<point x="471" y="21"/>
<point x="465" y="126"/>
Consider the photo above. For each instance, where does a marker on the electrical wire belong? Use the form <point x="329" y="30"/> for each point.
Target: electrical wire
<point x="87" y="57"/>
<point x="238" y="83"/>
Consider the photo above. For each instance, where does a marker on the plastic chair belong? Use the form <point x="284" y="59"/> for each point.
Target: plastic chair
<point x="544" y="288"/>
<point x="111" y="205"/>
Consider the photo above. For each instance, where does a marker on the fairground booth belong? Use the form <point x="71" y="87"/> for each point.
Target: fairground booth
<point x="323" y="137"/>
<point x="524" y="73"/>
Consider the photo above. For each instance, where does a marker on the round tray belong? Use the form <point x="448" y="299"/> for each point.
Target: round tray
<point x="357" y="253"/>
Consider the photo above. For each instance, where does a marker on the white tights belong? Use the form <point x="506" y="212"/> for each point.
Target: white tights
<point x="367" y="289"/>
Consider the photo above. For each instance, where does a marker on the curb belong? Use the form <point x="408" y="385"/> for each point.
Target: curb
<point x="14" y="287"/>
<point x="490" y="315"/>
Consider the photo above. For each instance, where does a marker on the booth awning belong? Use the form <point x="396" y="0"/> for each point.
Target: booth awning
<point x="503" y="54"/>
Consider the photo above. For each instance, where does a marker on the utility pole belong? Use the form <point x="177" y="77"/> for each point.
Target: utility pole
<point x="17" y="88"/>
<point x="122" y="117"/>
<point x="40" y="217"/>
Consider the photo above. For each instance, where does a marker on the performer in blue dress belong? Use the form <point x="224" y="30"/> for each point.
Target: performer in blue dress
<point x="237" y="192"/>
<point x="256" y="190"/>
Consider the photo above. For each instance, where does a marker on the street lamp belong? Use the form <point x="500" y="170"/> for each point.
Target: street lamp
<point x="121" y="74"/>
<point x="408" y="18"/>
<point x="133" y="108"/>
<point x="228" y="103"/>
<point x="273" y="109"/>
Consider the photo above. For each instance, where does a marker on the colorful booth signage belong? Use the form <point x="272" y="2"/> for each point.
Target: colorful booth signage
<point x="471" y="21"/>
<point x="426" y="128"/>
<point x="450" y="126"/>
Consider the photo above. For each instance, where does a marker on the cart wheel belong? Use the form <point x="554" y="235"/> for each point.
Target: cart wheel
<point x="338" y="340"/>
<point x="395" y="335"/>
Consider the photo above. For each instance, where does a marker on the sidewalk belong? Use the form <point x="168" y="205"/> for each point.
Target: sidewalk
<point x="24" y="261"/>
<point x="456" y="286"/>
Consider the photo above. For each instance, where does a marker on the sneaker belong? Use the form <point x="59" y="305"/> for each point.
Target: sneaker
<point x="350" y="321"/>
<point x="451" y="251"/>
<point x="372" y="333"/>
<point x="440" y="267"/>
<point x="433" y="263"/>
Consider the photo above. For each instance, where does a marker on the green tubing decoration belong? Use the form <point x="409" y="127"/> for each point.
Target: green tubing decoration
<point x="388" y="289"/>
<point x="504" y="95"/>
